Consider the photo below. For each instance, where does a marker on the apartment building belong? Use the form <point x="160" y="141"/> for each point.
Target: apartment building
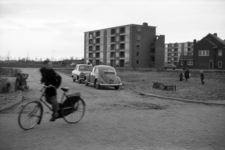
<point x="173" y="51"/>
<point x="132" y="46"/>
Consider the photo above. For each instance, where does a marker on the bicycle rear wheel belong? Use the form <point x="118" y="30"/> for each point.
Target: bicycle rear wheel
<point x="30" y="115"/>
<point x="75" y="113"/>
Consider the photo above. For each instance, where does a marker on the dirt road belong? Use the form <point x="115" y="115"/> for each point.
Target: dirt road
<point x="117" y="120"/>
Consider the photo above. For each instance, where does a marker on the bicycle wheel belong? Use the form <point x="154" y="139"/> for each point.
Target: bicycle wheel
<point x="30" y="115"/>
<point x="75" y="113"/>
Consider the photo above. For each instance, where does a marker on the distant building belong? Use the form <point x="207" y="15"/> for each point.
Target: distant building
<point x="132" y="46"/>
<point x="174" y="51"/>
<point x="209" y="53"/>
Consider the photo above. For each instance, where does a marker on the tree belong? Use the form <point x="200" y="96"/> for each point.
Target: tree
<point x="8" y="56"/>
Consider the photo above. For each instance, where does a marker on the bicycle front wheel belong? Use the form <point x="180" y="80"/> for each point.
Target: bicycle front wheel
<point x="75" y="113"/>
<point x="30" y="115"/>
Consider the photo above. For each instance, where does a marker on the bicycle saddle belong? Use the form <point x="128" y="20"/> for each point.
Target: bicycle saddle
<point x="65" y="89"/>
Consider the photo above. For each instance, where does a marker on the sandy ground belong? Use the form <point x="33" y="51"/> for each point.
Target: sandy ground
<point x="118" y="120"/>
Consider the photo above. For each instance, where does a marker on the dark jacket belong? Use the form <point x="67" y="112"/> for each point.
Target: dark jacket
<point x="48" y="76"/>
<point x="202" y="76"/>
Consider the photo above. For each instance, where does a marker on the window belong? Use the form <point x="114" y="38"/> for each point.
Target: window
<point x="97" y="48"/>
<point x="98" y="40"/>
<point x="122" y="46"/>
<point x="122" y="54"/>
<point x="113" y="31"/>
<point x="138" y="37"/>
<point x="169" y="50"/>
<point x="122" y="30"/>
<point x="90" y="35"/>
<point x="138" y="29"/>
<point x="175" y="54"/>
<point x="113" y="39"/>
<point x="90" y="48"/>
<point x="219" y="64"/>
<point x="98" y="33"/>
<point x="112" y="54"/>
<point x="97" y="55"/>
<point x="137" y="54"/>
<point x="169" y="59"/>
<point x="90" y="41"/>
<point x="203" y="52"/>
<point x="175" y="59"/>
<point x="137" y="45"/>
<point x="122" y="38"/>
<point x="90" y="55"/>
<point x="220" y="52"/>
<point x="112" y="47"/>
<point x="175" y="50"/>
<point x="137" y="62"/>
<point x="169" y="54"/>
<point x="190" y="63"/>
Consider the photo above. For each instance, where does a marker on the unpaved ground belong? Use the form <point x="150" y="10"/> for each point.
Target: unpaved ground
<point x="118" y="120"/>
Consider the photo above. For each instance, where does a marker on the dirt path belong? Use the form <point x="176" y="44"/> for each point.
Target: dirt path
<point x="118" y="120"/>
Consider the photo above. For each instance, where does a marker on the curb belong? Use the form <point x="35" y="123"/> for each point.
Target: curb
<point x="183" y="100"/>
<point x="17" y="101"/>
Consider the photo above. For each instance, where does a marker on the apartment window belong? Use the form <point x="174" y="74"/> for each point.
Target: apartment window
<point x="113" y="39"/>
<point x="97" y="62"/>
<point x="190" y="54"/>
<point x="175" y="50"/>
<point x="113" y="31"/>
<point x="175" y="45"/>
<point x="189" y="49"/>
<point x="189" y="44"/>
<point x="122" y="38"/>
<point x="220" y="52"/>
<point x="90" y="48"/>
<point x="169" y="59"/>
<point x="112" y="54"/>
<point x="169" y="50"/>
<point x="175" y="54"/>
<point x="138" y="46"/>
<point x="137" y="54"/>
<point x="137" y="62"/>
<point x="90" y="41"/>
<point x="122" y="54"/>
<point x="112" y="47"/>
<point x="190" y="63"/>
<point x="90" y="35"/>
<point x="97" y="55"/>
<point x="122" y="30"/>
<point x="175" y="59"/>
<point x="203" y="52"/>
<point x="219" y="64"/>
<point x="139" y="29"/>
<point x="121" y="63"/>
<point x="97" y="48"/>
<point x="122" y="46"/>
<point x="169" y="54"/>
<point x="98" y="33"/>
<point x="138" y="37"/>
<point x="98" y="40"/>
<point x="90" y="55"/>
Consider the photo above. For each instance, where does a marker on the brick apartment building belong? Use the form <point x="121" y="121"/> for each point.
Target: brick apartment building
<point x="131" y="46"/>
<point x="173" y="51"/>
<point x="208" y="53"/>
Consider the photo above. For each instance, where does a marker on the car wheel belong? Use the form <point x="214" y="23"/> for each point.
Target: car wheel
<point x="79" y="81"/>
<point x="117" y="87"/>
<point x="86" y="82"/>
<point x="97" y="86"/>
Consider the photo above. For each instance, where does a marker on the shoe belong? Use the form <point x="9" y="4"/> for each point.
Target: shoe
<point x="54" y="116"/>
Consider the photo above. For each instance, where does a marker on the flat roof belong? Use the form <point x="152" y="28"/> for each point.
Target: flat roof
<point x="121" y="26"/>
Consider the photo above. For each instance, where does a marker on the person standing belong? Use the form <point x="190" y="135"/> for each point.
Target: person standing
<point x="50" y="78"/>
<point x="202" y="77"/>
<point x="187" y="74"/>
<point x="181" y="76"/>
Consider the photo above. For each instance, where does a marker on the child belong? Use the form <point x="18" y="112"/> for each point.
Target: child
<point x="202" y="77"/>
<point x="181" y="76"/>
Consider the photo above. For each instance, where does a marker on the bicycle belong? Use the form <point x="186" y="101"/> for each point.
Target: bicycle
<point x="31" y="114"/>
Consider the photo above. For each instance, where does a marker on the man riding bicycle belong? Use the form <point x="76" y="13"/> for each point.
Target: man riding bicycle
<point x="52" y="79"/>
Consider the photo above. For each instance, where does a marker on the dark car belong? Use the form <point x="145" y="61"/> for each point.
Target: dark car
<point x="170" y="66"/>
<point x="103" y="76"/>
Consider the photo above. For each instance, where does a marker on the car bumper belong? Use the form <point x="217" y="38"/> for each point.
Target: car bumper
<point x="105" y="84"/>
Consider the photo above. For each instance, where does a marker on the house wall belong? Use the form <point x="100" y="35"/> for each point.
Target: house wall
<point x="159" y="51"/>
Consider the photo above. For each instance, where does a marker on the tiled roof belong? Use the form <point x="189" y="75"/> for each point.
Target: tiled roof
<point x="217" y="38"/>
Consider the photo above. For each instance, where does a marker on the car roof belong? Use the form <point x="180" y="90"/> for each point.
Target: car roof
<point x="83" y="65"/>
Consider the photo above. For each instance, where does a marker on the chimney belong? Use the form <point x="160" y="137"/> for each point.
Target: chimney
<point x="194" y="42"/>
<point x="215" y="34"/>
<point x="145" y="24"/>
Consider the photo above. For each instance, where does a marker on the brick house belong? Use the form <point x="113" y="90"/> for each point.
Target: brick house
<point x="209" y="53"/>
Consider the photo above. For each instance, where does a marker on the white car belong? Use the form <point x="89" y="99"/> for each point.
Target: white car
<point x="80" y="71"/>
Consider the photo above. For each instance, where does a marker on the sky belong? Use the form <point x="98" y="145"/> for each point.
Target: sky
<point x="54" y="29"/>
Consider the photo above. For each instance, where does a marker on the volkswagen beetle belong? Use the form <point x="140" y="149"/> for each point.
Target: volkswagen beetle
<point x="80" y="71"/>
<point x="103" y="76"/>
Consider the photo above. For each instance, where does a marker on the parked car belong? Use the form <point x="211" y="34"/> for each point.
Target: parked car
<point x="103" y="76"/>
<point x="170" y="66"/>
<point x="80" y="71"/>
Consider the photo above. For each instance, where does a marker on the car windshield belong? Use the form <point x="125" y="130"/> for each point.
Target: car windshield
<point x="85" y="68"/>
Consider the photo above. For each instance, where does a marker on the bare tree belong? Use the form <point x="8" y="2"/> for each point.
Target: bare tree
<point x="8" y="56"/>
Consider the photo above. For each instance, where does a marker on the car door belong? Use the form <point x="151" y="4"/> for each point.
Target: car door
<point x="92" y="75"/>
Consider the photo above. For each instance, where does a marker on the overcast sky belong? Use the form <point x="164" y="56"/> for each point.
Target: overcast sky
<point x="55" y="28"/>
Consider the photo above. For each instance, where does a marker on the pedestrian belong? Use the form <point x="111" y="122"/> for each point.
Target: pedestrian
<point x="202" y="77"/>
<point x="181" y="75"/>
<point x="50" y="77"/>
<point x="187" y="74"/>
